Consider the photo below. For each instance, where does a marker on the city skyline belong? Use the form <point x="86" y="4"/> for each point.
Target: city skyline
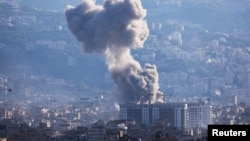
<point x="175" y="52"/>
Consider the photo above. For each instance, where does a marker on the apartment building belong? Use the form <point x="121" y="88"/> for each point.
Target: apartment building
<point x="183" y="116"/>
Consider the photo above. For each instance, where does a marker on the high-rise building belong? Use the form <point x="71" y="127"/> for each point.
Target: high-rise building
<point x="174" y="113"/>
<point x="200" y="115"/>
<point x="180" y="115"/>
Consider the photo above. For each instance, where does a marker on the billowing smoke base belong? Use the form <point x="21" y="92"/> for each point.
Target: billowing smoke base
<point x="113" y="29"/>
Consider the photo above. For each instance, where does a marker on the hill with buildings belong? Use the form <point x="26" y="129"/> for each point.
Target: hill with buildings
<point x="50" y="89"/>
<point x="204" y="53"/>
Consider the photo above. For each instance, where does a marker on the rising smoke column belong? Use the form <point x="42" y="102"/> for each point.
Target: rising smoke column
<point x="113" y="29"/>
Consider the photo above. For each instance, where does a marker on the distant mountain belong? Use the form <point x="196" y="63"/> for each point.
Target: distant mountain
<point x="49" y="4"/>
<point x="20" y="29"/>
<point x="212" y="14"/>
<point x="215" y="15"/>
<point x="59" y="5"/>
<point x="24" y="37"/>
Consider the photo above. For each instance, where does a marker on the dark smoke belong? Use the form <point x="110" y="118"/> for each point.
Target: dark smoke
<point x="113" y="29"/>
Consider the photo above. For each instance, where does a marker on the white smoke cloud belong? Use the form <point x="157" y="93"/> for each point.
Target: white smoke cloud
<point x="113" y="29"/>
<point x="116" y="106"/>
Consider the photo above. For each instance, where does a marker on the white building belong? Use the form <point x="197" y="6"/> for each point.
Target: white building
<point x="199" y="115"/>
<point x="180" y="115"/>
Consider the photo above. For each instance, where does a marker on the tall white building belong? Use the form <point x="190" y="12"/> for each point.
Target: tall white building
<point x="199" y="115"/>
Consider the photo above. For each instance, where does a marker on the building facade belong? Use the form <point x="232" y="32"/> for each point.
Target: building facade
<point x="180" y="115"/>
<point x="200" y="115"/>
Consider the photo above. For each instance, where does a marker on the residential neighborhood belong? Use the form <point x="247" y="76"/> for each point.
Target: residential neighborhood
<point x="50" y="89"/>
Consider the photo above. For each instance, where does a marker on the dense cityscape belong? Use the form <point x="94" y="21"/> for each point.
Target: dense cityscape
<point x="51" y="90"/>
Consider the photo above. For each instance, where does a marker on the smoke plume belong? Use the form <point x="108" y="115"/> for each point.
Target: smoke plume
<point x="113" y="29"/>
